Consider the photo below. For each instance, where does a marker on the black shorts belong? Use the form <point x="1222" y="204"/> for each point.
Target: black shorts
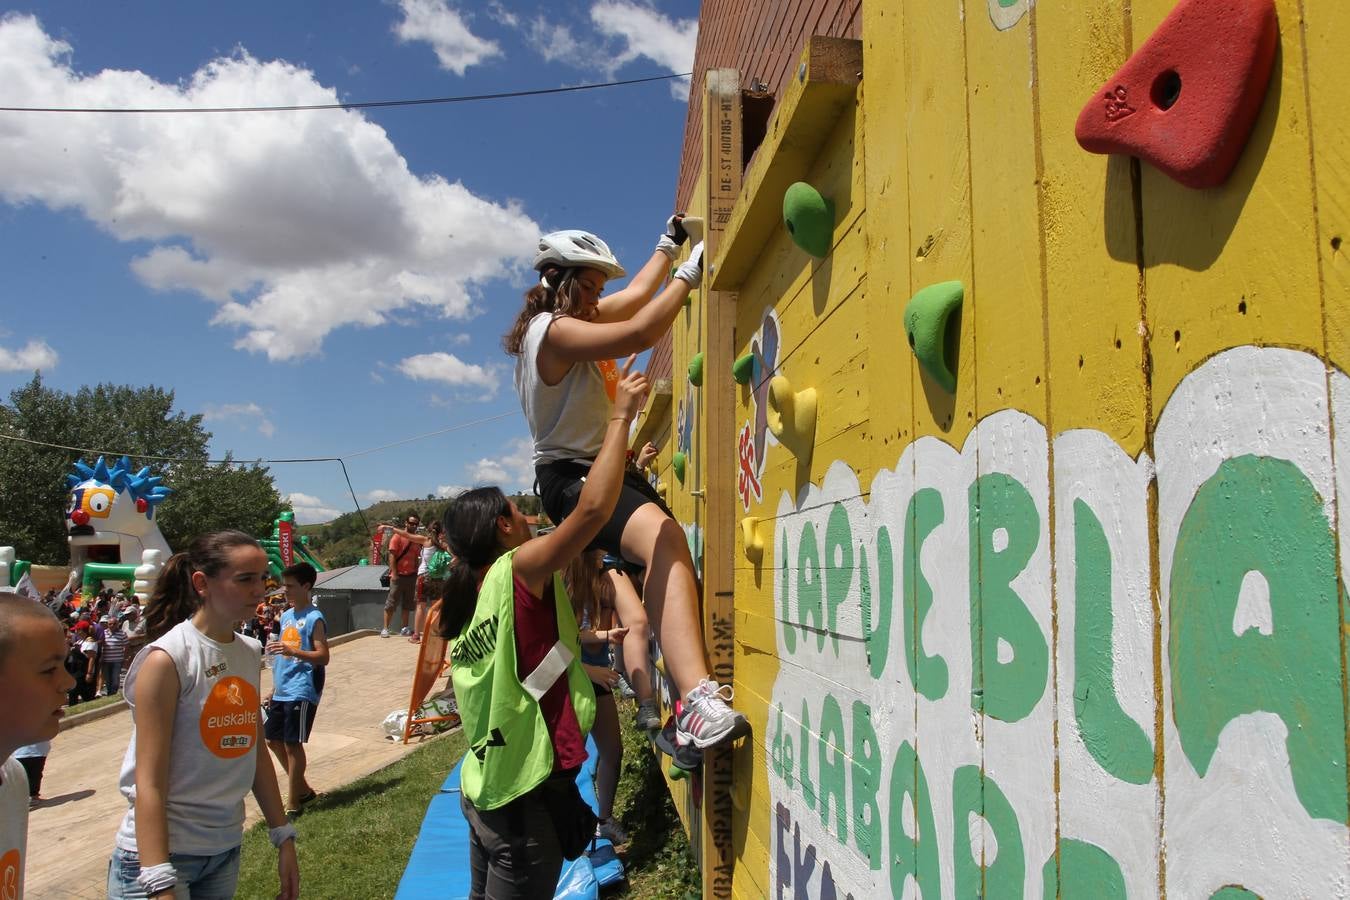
<point x="560" y="486"/>
<point x="289" y="721"/>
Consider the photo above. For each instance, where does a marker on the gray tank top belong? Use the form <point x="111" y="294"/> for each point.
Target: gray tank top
<point x="567" y="420"/>
<point x="213" y="752"/>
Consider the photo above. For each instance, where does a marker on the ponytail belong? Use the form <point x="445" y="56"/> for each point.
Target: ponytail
<point x="458" y="599"/>
<point x="470" y="524"/>
<point x="174" y="598"/>
<point x="555" y="293"/>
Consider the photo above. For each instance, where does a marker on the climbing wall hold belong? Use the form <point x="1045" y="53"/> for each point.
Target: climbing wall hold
<point x="751" y="539"/>
<point x="743" y="368"/>
<point x="926" y="318"/>
<point x="663" y="489"/>
<point x="809" y="218"/>
<point x="1186" y="100"/>
<point x="696" y="370"/>
<point x="677" y="462"/>
<point x="791" y="417"/>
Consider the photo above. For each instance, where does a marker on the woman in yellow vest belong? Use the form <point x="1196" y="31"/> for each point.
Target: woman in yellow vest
<point x="525" y="700"/>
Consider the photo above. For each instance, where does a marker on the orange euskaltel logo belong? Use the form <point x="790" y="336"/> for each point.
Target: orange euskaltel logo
<point x="229" y="722"/>
<point x="9" y="875"/>
<point x="291" y="637"/>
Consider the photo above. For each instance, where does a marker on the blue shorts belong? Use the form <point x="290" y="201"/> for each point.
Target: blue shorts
<point x="201" y="877"/>
<point x="289" y="721"/>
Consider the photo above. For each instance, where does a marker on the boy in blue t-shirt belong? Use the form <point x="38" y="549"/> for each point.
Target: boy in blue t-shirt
<point x="298" y="660"/>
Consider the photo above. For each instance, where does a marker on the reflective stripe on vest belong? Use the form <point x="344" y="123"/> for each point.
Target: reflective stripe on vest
<point x="552" y="667"/>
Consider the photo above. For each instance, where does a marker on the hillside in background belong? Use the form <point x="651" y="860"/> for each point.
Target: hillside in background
<point x="345" y="541"/>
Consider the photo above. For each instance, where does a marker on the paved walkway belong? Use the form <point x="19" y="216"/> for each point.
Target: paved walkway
<point x="71" y="838"/>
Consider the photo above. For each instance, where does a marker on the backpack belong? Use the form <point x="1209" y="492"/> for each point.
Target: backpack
<point x="438" y="565"/>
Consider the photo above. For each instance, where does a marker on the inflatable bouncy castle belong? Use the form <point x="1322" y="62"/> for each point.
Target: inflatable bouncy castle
<point x="111" y="523"/>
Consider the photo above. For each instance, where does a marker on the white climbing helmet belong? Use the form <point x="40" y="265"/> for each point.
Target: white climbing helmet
<point x="571" y="248"/>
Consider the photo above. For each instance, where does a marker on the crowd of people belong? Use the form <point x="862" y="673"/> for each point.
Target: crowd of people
<point x="530" y="650"/>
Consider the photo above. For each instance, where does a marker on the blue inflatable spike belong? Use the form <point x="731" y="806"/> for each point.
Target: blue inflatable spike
<point x="101" y="471"/>
<point x="72" y="480"/>
<point x="84" y="469"/>
<point x="144" y="472"/>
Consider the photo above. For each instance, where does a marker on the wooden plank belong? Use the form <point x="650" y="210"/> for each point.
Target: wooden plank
<point x="1327" y="32"/>
<point x="1018" y="724"/>
<point x="715" y="466"/>
<point x="1230" y="270"/>
<point x="1096" y="374"/>
<point x="935" y="130"/>
<point x="803" y="121"/>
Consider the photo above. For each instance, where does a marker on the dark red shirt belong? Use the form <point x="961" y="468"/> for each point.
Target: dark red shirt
<point x="536" y="633"/>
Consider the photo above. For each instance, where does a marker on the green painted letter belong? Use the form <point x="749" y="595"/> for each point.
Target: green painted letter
<point x="1114" y="739"/>
<point x="866" y="783"/>
<point x="1011" y="690"/>
<point x="912" y="855"/>
<point x="1262" y="515"/>
<point x="928" y="673"/>
<point x="1004" y="875"/>
<point x="833" y="774"/>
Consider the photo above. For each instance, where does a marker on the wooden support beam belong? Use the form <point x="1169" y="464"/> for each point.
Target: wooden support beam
<point x="826" y="83"/>
<point x="716" y="473"/>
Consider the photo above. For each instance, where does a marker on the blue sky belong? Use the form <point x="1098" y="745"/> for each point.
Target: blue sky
<point x="320" y="283"/>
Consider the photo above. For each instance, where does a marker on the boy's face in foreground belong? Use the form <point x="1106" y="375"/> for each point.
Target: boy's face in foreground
<point x="34" y="681"/>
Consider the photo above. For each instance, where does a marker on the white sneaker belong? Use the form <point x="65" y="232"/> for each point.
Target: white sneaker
<point x="707" y="719"/>
<point x="611" y="831"/>
<point x="648" y="716"/>
<point x="405" y="631"/>
<point x="384" y="632"/>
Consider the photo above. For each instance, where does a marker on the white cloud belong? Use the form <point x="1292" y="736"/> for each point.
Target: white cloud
<point x="460" y="340"/>
<point x="310" y="510"/>
<point x="625" y="31"/>
<point x="444" y="29"/>
<point x="513" y="471"/>
<point x="292" y="224"/>
<point x="450" y="490"/>
<point x="449" y="369"/>
<point x="33" y="355"/>
<point x="379" y="495"/>
<point x="502" y="15"/>
<point x="555" y="42"/>
<point x="250" y="412"/>
<point x="646" y="33"/>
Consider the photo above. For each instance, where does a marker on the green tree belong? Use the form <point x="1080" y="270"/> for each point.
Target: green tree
<point x="212" y="497"/>
<point x="139" y="421"/>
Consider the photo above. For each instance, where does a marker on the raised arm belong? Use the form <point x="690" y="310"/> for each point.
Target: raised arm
<point x="622" y="305"/>
<point x="570" y="340"/>
<point x="537" y="560"/>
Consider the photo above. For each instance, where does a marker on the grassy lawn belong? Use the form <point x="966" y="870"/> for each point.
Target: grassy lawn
<point x="93" y="704"/>
<point x="355" y="841"/>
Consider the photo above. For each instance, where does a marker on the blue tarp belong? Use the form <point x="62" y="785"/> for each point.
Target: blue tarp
<point x="439" y="865"/>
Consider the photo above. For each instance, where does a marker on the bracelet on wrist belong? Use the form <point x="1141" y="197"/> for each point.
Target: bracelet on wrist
<point x="157" y="878"/>
<point x="281" y="834"/>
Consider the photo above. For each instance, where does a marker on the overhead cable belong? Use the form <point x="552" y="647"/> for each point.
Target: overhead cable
<point x="362" y="104"/>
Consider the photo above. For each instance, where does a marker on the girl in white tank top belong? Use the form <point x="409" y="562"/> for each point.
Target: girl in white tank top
<point x="197" y="729"/>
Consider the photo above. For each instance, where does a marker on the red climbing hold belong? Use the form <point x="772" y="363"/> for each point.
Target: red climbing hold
<point x="1187" y="99"/>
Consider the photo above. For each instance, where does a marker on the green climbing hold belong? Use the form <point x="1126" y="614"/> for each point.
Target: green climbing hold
<point x="696" y="370"/>
<point x="677" y="463"/>
<point x="743" y="368"/>
<point x="809" y="218"/>
<point x="926" y="319"/>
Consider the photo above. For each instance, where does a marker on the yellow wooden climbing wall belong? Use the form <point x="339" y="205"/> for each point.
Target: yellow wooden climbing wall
<point x="1018" y="637"/>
